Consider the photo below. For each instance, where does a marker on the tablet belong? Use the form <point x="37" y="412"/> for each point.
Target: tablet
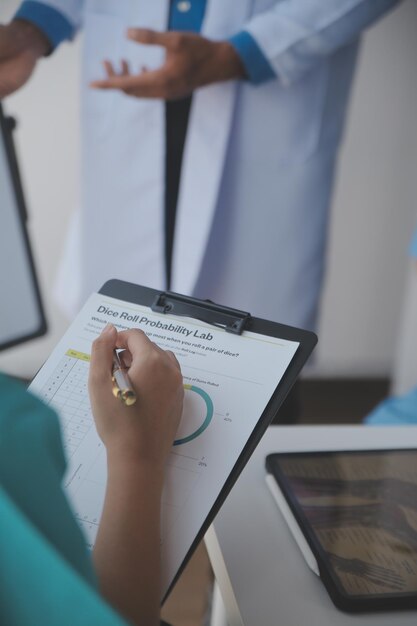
<point x="21" y="314"/>
<point x="357" y="511"/>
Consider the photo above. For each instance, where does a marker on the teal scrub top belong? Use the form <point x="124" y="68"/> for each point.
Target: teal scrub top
<point x="46" y="573"/>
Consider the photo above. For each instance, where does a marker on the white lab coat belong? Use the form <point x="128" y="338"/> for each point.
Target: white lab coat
<point x="258" y="162"/>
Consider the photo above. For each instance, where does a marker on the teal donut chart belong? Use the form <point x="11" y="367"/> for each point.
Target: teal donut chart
<point x="210" y="410"/>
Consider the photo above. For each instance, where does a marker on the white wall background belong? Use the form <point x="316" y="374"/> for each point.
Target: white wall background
<point x="375" y="207"/>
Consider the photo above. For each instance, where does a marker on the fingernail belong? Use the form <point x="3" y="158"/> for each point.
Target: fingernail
<point x="108" y="329"/>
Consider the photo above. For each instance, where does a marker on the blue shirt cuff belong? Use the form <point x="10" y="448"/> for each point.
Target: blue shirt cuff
<point x="51" y="22"/>
<point x="413" y="245"/>
<point x="257" y="66"/>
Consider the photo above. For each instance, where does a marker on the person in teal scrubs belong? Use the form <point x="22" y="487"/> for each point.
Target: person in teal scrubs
<point x="47" y="576"/>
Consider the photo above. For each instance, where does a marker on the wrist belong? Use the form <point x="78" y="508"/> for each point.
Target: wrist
<point x="128" y="462"/>
<point x="229" y="61"/>
<point x="29" y="37"/>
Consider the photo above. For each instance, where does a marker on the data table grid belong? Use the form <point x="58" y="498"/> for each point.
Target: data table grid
<point x="66" y="391"/>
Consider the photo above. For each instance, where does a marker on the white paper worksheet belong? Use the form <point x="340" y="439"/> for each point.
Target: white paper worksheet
<point x="228" y="382"/>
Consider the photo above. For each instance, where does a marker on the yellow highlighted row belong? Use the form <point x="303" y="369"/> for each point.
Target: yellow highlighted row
<point x="78" y="355"/>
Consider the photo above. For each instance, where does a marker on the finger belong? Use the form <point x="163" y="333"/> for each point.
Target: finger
<point x="173" y="358"/>
<point x="135" y="341"/>
<point x="108" y="66"/>
<point x="144" y="84"/>
<point x="125" y="68"/>
<point x="150" y="37"/>
<point x="152" y="84"/>
<point x="102" y="355"/>
<point x="158" y="348"/>
<point x="125" y="358"/>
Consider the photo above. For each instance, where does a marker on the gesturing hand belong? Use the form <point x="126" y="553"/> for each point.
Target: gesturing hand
<point x="191" y="61"/>
<point x="21" y="45"/>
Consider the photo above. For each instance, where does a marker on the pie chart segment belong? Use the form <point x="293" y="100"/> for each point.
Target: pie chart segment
<point x="197" y="414"/>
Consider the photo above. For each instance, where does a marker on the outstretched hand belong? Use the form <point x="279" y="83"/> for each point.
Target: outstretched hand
<point x="21" y="45"/>
<point x="191" y="61"/>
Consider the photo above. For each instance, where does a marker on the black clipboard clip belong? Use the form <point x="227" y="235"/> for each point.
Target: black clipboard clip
<point x="231" y="320"/>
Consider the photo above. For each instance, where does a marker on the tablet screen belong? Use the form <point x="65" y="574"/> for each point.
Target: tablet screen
<point x="21" y="315"/>
<point x="359" y="513"/>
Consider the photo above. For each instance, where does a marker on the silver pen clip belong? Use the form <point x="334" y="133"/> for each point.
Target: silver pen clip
<point x="122" y="387"/>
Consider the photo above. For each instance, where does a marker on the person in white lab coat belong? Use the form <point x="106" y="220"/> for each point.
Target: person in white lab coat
<point x="260" y="152"/>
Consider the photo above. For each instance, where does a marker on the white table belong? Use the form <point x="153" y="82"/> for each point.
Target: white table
<point x="260" y="572"/>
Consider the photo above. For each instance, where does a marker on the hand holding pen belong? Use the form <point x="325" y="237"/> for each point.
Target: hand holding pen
<point x="138" y="440"/>
<point x="145" y="430"/>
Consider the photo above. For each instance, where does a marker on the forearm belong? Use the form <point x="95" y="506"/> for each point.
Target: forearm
<point x="58" y="20"/>
<point x="29" y="37"/>
<point x="127" y="550"/>
<point x="294" y="35"/>
<point x="21" y="46"/>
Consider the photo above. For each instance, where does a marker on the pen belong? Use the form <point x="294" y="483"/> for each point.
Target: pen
<point x="122" y="387"/>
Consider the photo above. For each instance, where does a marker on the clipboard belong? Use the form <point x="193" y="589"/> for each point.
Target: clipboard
<point x="22" y="311"/>
<point x="194" y="325"/>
